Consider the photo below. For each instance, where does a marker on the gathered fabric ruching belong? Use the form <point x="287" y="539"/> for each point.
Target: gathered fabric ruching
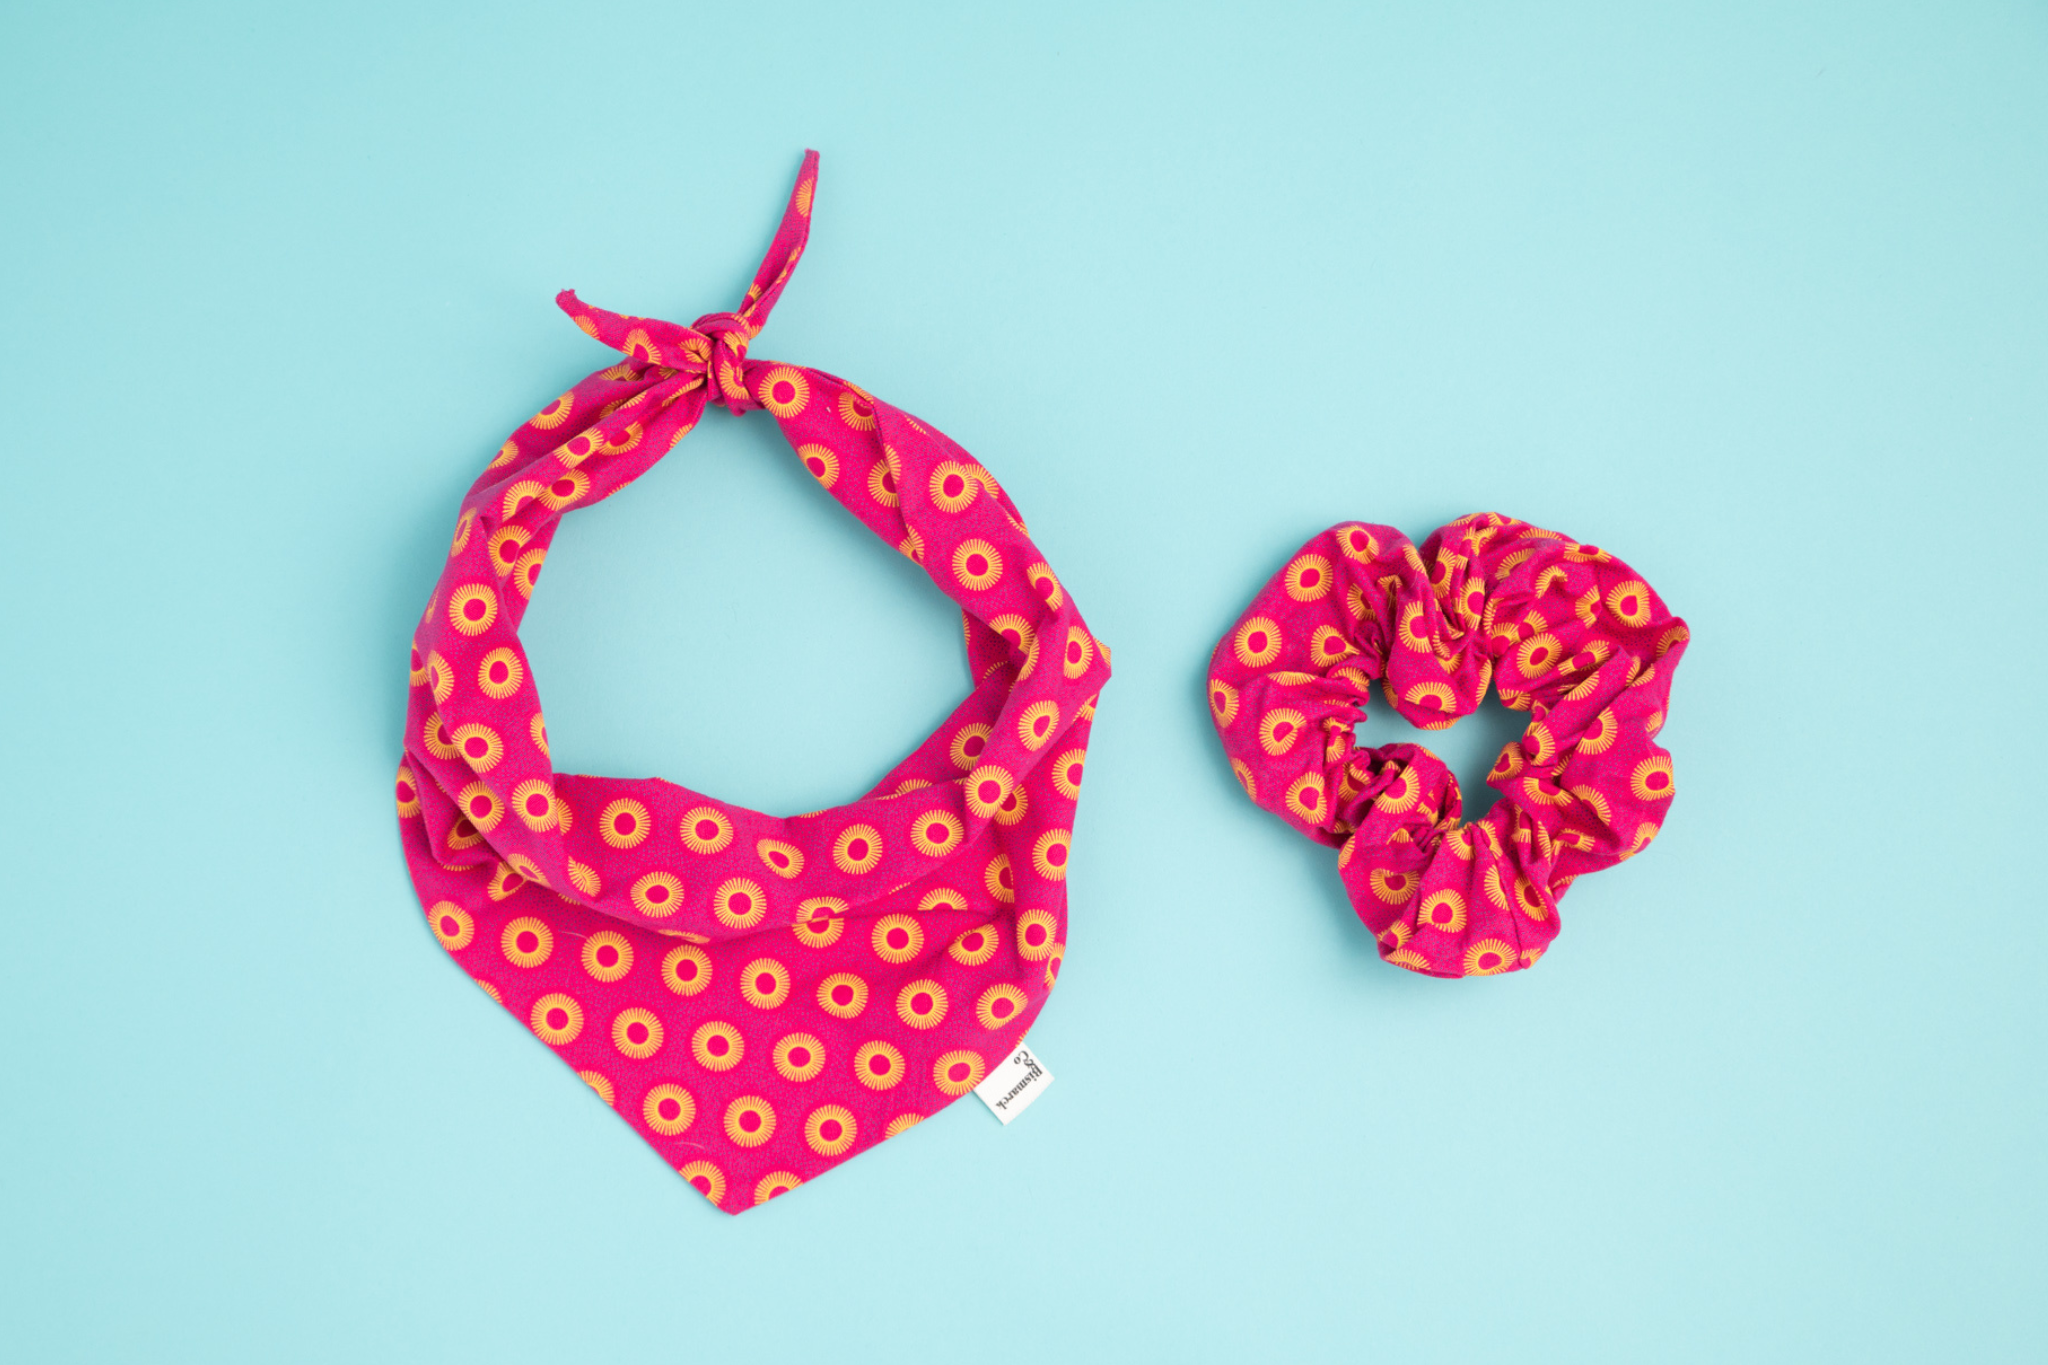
<point x="1566" y="632"/>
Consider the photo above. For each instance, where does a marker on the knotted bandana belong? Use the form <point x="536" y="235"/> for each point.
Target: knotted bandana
<point x="1567" y="632"/>
<point x="760" y="998"/>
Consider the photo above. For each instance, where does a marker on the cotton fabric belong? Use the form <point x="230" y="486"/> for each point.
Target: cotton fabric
<point x="1567" y="632"/>
<point x="759" y="997"/>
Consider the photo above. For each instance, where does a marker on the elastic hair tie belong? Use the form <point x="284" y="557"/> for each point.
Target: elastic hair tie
<point x="1567" y="632"/>
<point x="760" y="998"/>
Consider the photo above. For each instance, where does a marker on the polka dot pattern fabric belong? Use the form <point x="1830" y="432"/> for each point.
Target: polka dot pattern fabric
<point x="1566" y="632"/>
<point x="760" y="998"/>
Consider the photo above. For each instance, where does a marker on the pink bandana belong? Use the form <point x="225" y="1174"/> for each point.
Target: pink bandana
<point x="1569" y="634"/>
<point x="760" y="998"/>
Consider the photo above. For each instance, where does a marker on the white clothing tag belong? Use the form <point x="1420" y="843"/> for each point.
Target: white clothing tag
<point x="1013" y="1083"/>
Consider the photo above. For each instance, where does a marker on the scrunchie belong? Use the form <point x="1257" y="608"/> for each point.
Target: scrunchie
<point x="760" y="998"/>
<point x="1566" y="631"/>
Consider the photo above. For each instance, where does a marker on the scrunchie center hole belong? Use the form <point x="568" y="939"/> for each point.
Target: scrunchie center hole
<point x="1469" y="748"/>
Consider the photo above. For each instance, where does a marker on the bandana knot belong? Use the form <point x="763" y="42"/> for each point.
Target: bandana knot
<point x="713" y="350"/>
<point x="723" y="338"/>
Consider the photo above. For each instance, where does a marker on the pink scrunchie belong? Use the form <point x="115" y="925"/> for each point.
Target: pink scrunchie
<point x="1568" y="632"/>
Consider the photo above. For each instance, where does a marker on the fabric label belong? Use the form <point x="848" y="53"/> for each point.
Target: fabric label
<point x="1013" y="1083"/>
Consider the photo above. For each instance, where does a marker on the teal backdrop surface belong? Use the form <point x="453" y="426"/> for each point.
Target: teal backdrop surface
<point x="1755" y="295"/>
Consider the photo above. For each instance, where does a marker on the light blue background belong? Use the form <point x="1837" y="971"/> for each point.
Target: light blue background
<point x="1755" y="295"/>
